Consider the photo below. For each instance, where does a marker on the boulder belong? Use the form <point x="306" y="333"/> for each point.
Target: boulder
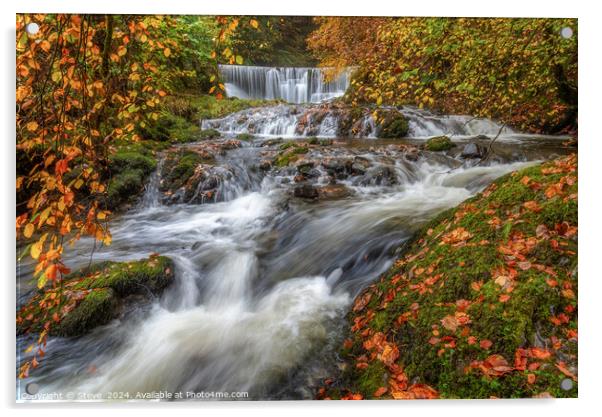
<point x="95" y="295"/>
<point x="439" y="143"/>
<point x="306" y="191"/>
<point x="473" y="150"/>
<point x="391" y="124"/>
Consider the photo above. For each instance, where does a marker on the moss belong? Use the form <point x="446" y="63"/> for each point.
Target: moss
<point x="437" y="278"/>
<point x="96" y="294"/>
<point x="439" y="143"/>
<point x="245" y="136"/>
<point x="126" y="278"/>
<point x="209" y="134"/>
<point x="124" y="188"/>
<point x="289" y="153"/>
<point x="130" y="166"/>
<point x="96" y="309"/>
<point x="179" y="167"/>
<point x="391" y="124"/>
<point x="313" y="140"/>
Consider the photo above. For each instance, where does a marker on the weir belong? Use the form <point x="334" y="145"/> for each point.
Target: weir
<point x="291" y="84"/>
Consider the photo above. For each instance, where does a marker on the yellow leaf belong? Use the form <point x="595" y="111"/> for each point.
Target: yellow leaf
<point x="36" y="249"/>
<point x="28" y="230"/>
<point x="32" y="126"/>
<point x="101" y="215"/>
<point x="78" y="184"/>
<point x="254" y="23"/>
<point x="167" y="52"/>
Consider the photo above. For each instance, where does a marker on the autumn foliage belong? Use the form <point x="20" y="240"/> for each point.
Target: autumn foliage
<point x="521" y="71"/>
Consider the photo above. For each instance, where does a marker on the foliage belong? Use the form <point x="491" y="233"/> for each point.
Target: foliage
<point x="277" y="41"/>
<point x="83" y="82"/>
<point x="520" y="71"/>
<point x="483" y="302"/>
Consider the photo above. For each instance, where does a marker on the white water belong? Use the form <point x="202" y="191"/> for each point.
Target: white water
<point x="291" y="84"/>
<point x="286" y="121"/>
<point x="263" y="283"/>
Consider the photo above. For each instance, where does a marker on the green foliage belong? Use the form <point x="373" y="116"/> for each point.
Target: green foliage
<point x="277" y="41"/>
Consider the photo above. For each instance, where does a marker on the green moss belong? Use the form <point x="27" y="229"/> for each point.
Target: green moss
<point x="245" y="136"/>
<point x="289" y="153"/>
<point x="125" y="187"/>
<point x="130" y="166"/>
<point x="179" y="167"/>
<point x="126" y="278"/>
<point x="96" y="309"/>
<point x="391" y="124"/>
<point x="372" y="378"/>
<point x="439" y="143"/>
<point x="209" y="134"/>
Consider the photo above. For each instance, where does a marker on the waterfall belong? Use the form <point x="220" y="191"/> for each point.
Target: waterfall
<point x="291" y="84"/>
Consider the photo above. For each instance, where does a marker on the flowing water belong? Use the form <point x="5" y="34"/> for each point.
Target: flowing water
<point x="263" y="279"/>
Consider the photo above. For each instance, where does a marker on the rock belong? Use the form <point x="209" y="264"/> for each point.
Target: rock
<point x="473" y="150"/>
<point x="209" y="134"/>
<point x="391" y="124"/>
<point x="381" y="175"/>
<point x="333" y="192"/>
<point x="272" y="142"/>
<point x="306" y="191"/>
<point x="97" y="294"/>
<point x="439" y="143"/>
<point x="265" y="165"/>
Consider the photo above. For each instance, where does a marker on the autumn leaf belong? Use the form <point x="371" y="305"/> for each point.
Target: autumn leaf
<point x="167" y="52"/>
<point x="450" y="323"/>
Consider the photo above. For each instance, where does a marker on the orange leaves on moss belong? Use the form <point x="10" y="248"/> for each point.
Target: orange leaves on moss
<point x="457" y="237"/>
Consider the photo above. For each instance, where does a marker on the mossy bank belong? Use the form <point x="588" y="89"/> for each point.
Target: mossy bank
<point x="483" y="303"/>
<point x="94" y="295"/>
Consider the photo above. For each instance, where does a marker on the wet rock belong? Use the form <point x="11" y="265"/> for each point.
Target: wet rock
<point x="439" y="143"/>
<point x="272" y="142"/>
<point x="473" y="150"/>
<point x="306" y="191"/>
<point x="381" y="175"/>
<point x="265" y="165"/>
<point x="333" y="192"/>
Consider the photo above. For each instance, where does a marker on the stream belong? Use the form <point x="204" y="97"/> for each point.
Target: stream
<point x="264" y="279"/>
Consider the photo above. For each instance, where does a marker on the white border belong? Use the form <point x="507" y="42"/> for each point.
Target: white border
<point x="590" y="209"/>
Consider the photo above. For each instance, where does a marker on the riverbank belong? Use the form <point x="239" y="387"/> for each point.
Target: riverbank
<point x="482" y="304"/>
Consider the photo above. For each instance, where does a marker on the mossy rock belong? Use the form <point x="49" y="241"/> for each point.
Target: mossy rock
<point x="179" y="167"/>
<point x="289" y="153"/>
<point x="492" y="281"/>
<point x="209" y="134"/>
<point x="95" y="295"/>
<point x="245" y="136"/>
<point x="130" y="167"/>
<point x="439" y="143"/>
<point x="391" y="124"/>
